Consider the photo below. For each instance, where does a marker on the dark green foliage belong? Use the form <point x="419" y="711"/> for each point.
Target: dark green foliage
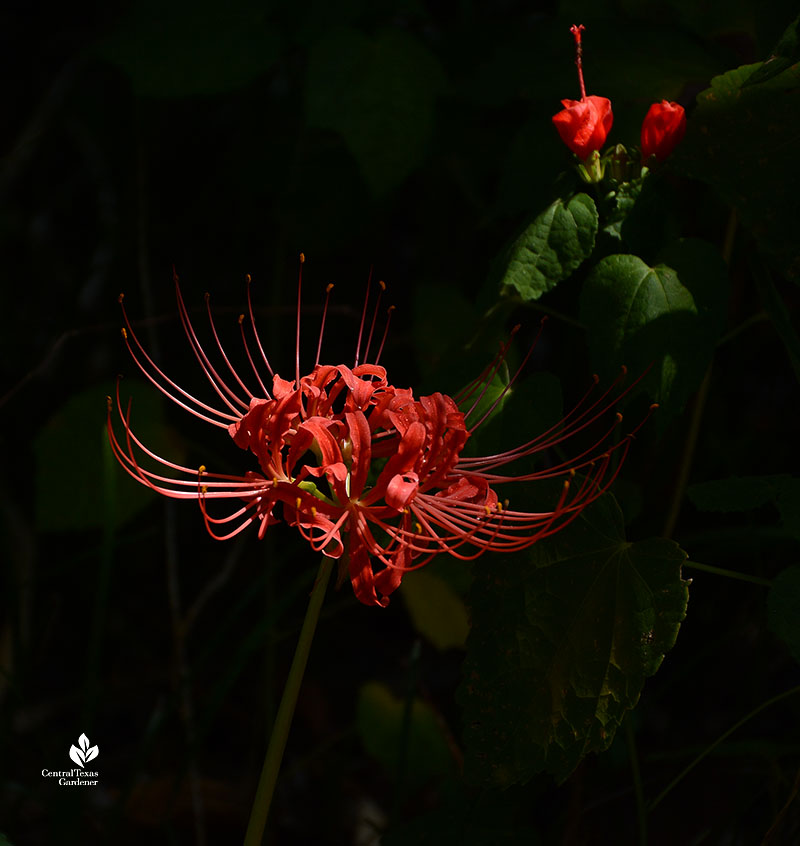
<point x="563" y="639"/>
<point x="746" y="494"/>
<point x="79" y="485"/>
<point x="549" y="249"/>
<point x="189" y="49"/>
<point x="742" y="142"/>
<point x="783" y="609"/>
<point x="378" y="94"/>
<point x="667" y="318"/>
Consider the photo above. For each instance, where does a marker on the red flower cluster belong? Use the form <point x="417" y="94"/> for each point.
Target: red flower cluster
<point x="662" y="130"/>
<point x="369" y="474"/>
<point x="584" y="124"/>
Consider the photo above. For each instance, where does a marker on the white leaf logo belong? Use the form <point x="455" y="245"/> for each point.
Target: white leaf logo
<point x="83" y="752"/>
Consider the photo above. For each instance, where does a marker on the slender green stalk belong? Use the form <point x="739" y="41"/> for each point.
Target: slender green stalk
<point x="638" y="788"/>
<point x="283" y="721"/>
<point x="761" y="317"/>
<point x="405" y="732"/>
<point x="699" y="407"/>
<point x="688" y="456"/>
<point x="684" y="772"/>
<point x="730" y="574"/>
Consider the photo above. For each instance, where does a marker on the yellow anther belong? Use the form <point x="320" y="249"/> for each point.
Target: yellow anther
<point x="108" y="402"/>
<point x="203" y="490"/>
<point x="619" y="417"/>
<point x="502" y="505"/>
<point x="487" y="510"/>
<point x="248" y="278"/>
<point x="390" y="309"/>
<point x="654" y="406"/>
<point x="566" y="485"/>
<point x="275" y="482"/>
<point x="241" y="319"/>
<point x="382" y="284"/>
<point x="298" y="502"/>
<point x="418" y="528"/>
<point x="572" y="473"/>
<point x="329" y="288"/>
<point x="120" y="298"/>
<point x="124" y="333"/>
<point x="201" y="469"/>
<point x="313" y="511"/>
<point x="302" y="257"/>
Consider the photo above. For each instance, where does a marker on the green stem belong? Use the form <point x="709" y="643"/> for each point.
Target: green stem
<point x="761" y="317"/>
<point x="283" y="721"/>
<point x="731" y="574"/>
<point x="638" y="789"/>
<point x="699" y="407"/>
<point x="720" y="739"/>
<point x="688" y="456"/>
<point x="405" y="732"/>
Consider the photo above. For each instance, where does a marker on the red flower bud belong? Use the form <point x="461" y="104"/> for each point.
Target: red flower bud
<point x="584" y="124"/>
<point x="662" y="130"/>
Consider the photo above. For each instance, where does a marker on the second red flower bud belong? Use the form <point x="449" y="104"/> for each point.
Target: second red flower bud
<point x="662" y="130"/>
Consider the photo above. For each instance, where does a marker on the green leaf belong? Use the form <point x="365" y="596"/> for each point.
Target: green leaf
<point x="778" y="313"/>
<point x="620" y="203"/>
<point x="487" y="398"/>
<point x="380" y="717"/>
<point x="641" y="316"/>
<point x="549" y="249"/>
<point x="735" y="494"/>
<point x="378" y="93"/>
<point x="436" y="611"/>
<point x="750" y="492"/>
<point x="739" y="140"/>
<point x="785" y="54"/>
<point x="563" y="638"/>
<point x="531" y="407"/>
<point x="702" y="270"/>
<point x="73" y="491"/>
<point x="192" y="48"/>
<point x="783" y="609"/>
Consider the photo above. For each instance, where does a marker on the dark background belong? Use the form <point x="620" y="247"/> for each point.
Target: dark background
<point x="406" y="138"/>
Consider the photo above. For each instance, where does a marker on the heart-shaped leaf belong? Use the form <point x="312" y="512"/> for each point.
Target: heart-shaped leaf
<point x="665" y="318"/>
<point x="378" y="93"/>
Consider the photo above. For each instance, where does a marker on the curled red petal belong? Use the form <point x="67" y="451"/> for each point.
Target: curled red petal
<point x="401" y="489"/>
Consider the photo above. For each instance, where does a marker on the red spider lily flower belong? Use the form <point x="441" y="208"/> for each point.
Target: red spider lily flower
<point x="368" y="473"/>
<point x="583" y="124"/>
<point x="662" y="130"/>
